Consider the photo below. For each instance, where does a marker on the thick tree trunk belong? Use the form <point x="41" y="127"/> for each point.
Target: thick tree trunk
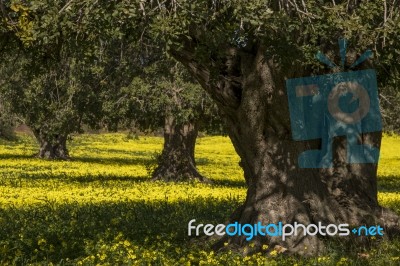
<point x="176" y="162"/>
<point x="255" y="107"/>
<point x="52" y="147"/>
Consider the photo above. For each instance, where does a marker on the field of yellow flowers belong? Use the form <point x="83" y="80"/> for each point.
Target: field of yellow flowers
<point x="101" y="208"/>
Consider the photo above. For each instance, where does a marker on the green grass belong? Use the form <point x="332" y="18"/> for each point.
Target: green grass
<point x="101" y="208"/>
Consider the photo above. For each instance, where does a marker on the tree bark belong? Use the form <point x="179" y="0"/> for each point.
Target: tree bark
<point x="177" y="162"/>
<point x="251" y="95"/>
<point x="52" y="146"/>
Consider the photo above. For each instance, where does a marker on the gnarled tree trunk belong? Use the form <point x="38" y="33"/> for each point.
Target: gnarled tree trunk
<point x="252" y="98"/>
<point x="176" y="162"/>
<point x="52" y="146"/>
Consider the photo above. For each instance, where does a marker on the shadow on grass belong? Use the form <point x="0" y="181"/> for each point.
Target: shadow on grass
<point x="52" y="232"/>
<point x="8" y="156"/>
<point x="111" y="161"/>
<point x="57" y="232"/>
<point x="117" y="152"/>
<point x="389" y="183"/>
<point x="202" y="161"/>
<point x="83" y="159"/>
<point x="230" y="183"/>
<point x="15" y="181"/>
<point x="81" y="179"/>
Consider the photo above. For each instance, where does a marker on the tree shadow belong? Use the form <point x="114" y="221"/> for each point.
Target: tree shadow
<point x="202" y="161"/>
<point x="389" y="183"/>
<point x="70" y="229"/>
<point x="7" y="156"/>
<point x="121" y="151"/>
<point x="110" y="161"/>
<point x="229" y="183"/>
<point x="84" y="159"/>
<point x="107" y="177"/>
<point x="66" y="177"/>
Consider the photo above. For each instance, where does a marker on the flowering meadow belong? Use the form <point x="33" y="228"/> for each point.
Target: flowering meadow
<point x="100" y="208"/>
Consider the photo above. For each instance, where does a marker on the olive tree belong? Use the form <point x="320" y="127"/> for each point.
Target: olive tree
<point x="57" y="66"/>
<point x="242" y="53"/>
<point x="165" y="96"/>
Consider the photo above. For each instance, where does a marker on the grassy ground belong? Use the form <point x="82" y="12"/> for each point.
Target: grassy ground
<point x="100" y="208"/>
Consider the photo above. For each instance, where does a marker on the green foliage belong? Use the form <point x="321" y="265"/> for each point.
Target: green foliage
<point x="104" y="34"/>
<point x="7" y="122"/>
<point x="6" y="129"/>
<point x="162" y="88"/>
<point x="290" y="33"/>
<point x="84" y="60"/>
<point x="50" y="98"/>
<point x="61" y="63"/>
<point x="390" y="103"/>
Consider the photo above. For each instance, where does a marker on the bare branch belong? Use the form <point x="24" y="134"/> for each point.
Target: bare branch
<point x="384" y="21"/>
<point x="65" y="7"/>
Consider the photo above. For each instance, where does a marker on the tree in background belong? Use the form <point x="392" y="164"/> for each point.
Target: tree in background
<point x="57" y="67"/>
<point x="67" y="65"/>
<point x="390" y="105"/>
<point x="165" y="96"/>
<point x="51" y="101"/>
<point x="7" y="122"/>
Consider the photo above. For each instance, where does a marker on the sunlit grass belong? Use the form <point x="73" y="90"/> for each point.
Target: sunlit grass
<point x="107" y="168"/>
<point x="100" y="207"/>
